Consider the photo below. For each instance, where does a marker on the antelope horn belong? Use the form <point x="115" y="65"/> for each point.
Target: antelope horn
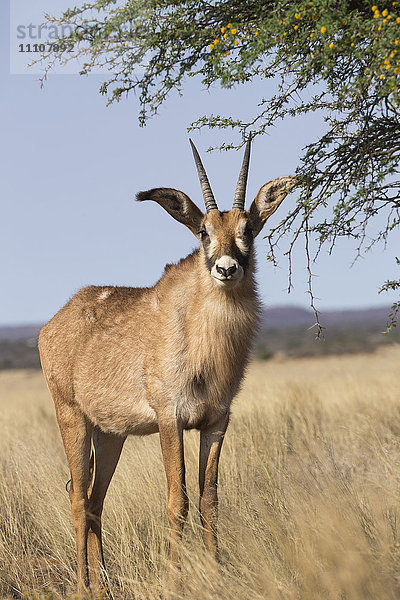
<point x="240" y="193"/>
<point x="205" y="185"/>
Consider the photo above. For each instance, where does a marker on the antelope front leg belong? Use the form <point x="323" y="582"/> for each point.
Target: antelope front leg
<point x="171" y="437"/>
<point x="210" y="449"/>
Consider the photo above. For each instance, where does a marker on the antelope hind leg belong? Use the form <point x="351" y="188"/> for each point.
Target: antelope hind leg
<point x="107" y="450"/>
<point x="76" y="434"/>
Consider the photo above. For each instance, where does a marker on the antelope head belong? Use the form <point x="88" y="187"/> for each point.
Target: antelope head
<point x="227" y="237"/>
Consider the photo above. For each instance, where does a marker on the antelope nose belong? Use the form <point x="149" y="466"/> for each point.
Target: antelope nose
<point x="226" y="272"/>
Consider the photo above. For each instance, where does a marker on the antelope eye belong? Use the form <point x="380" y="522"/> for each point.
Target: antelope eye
<point x="248" y="232"/>
<point x="203" y="234"/>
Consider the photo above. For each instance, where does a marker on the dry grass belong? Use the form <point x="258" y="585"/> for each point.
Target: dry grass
<point x="309" y="494"/>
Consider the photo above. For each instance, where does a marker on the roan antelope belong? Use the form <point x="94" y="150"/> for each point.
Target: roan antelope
<point x="122" y="361"/>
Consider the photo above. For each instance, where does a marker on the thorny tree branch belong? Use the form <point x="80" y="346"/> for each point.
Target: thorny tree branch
<point x="340" y="60"/>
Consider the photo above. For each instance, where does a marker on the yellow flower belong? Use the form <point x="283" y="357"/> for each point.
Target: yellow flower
<point x="331" y="45"/>
<point x="380" y="76"/>
<point x="280" y="23"/>
<point x="379" y="28"/>
<point x="396" y="42"/>
<point x="235" y="43"/>
<point x="396" y="71"/>
<point x="377" y="14"/>
<point x="256" y="33"/>
<point x="384" y="21"/>
<point x="233" y="31"/>
<point x="223" y="29"/>
<point x="227" y="53"/>
<point x="343" y="21"/>
<point x="225" y="36"/>
<point x="211" y="46"/>
<point x="398" y="20"/>
<point x="385" y="12"/>
<point x="374" y="8"/>
<point x="394" y="3"/>
<point x="352" y="44"/>
<point x="388" y="67"/>
<point x="296" y="27"/>
<point x="285" y="33"/>
<point x="229" y="25"/>
<point x="297" y="16"/>
<point x="216" y="42"/>
<point x="311" y="35"/>
<point x="323" y="29"/>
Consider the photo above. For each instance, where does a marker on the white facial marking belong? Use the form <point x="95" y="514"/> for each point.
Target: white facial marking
<point x="213" y="242"/>
<point x="210" y="229"/>
<point x="104" y="294"/>
<point x="240" y="239"/>
<point x="213" y="246"/>
<point x="224" y="264"/>
<point x="241" y="244"/>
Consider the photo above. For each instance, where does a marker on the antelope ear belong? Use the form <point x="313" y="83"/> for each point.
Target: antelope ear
<point x="177" y="204"/>
<point x="267" y="201"/>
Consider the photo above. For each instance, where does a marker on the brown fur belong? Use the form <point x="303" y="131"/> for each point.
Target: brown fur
<point x="122" y="361"/>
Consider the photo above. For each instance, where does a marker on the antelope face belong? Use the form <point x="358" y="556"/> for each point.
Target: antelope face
<point x="227" y="243"/>
<point x="226" y="237"/>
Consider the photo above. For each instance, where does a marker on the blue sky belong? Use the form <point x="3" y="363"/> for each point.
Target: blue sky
<point x="70" y="168"/>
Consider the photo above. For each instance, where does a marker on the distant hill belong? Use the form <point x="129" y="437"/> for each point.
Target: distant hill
<point x="12" y="333"/>
<point x="18" y="347"/>
<point x="284" y="330"/>
<point x="275" y="317"/>
<point x="278" y="317"/>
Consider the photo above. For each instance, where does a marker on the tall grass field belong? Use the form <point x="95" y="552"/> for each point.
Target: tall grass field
<point x="309" y="492"/>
